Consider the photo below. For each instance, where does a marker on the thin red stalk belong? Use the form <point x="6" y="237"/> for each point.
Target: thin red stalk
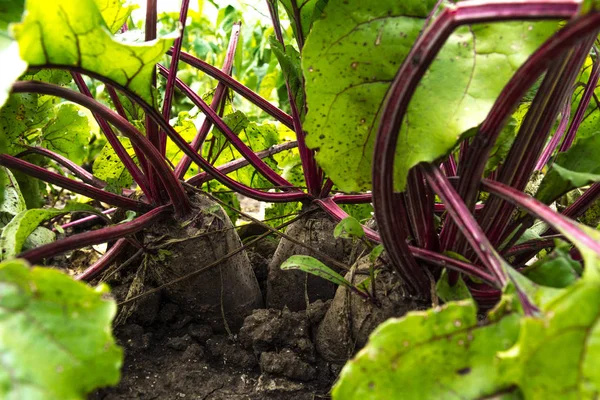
<point x="86" y="219"/>
<point x="556" y="138"/>
<point x="219" y="98"/>
<point x="104" y="262"/>
<point x="584" y="202"/>
<point x="74" y="186"/>
<point x="566" y="226"/>
<point x="79" y="172"/>
<point x="509" y="98"/>
<point x="172" y="185"/>
<point x="239" y="88"/>
<point x="170" y="87"/>
<point x="234" y="165"/>
<point x="98" y="236"/>
<point x="450" y="166"/>
<point x="534" y="245"/>
<point x="185" y="147"/>
<point x="307" y="156"/>
<point x="590" y="87"/>
<point x="123" y="155"/>
<point x="420" y="211"/>
<point x="466" y="222"/>
<point x="152" y="132"/>
<point x="399" y="95"/>
<point x="519" y="163"/>
<point x="352" y="198"/>
<point x="114" y="97"/>
<point x="326" y="189"/>
<point x="235" y="140"/>
<point x="428" y="256"/>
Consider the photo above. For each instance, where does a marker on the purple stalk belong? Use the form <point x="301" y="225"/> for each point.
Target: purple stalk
<point x="174" y="136"/>
<point x="79" y="172"/>
<point x="534" y="245"/>
<point x="238" y="143"/>
<point x="86" y="219"/>
<point x="172" y="185"/>
<point x="307" y="156"/>
<point x="103" y="262"/>
<point x="405" y="83"/>
<point x="326" y="189"/>
<point x="584" y="202"/>
<point x="590" y="87"/>
<point x="238" y="88"/>
<point x="170" y="88"/>
<point x="112" y="93"/>
<point x="566" y="226"/>
<point x="450" y="166"/>
<point x="218" y="98"/>
<point x="234" y="165"/>
<point x="74" y="186"/>
<point x="558" y="135"/>
<point x="152" y="132"/>
<point x="466" y="222"/>
<point x="419" y="202"/>
<point x="519" y="163"/>
<point x="428" y="256"/>
<point x="505" y="104"/>
<point x="98" y="236"/>
<point x="128" y="162"/>
<point x="352" y="198"/>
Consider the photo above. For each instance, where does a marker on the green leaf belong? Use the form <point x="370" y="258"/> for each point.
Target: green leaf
<point x="12" y="199"/>
<point x="313" y="266"/>
<point x="289" y="60"/>
<point x="73" y="33"/>
<point x="348" y="228"/>
<point x="565" y="342"/>
<point x="557" y="269"/>
<point x="375" y="253"/>
<point x="55" y="335"/>
<point x="68" y="133"/>
<point x="573" y="168"/>
<point x="459" y="291"/>
<point x="308" y="11"/>
<point x="115" y="12"/>
<point x="39" y="237"/>
<point x="354" y="52"/>
<point x="16" y="232"/>
<point x="13" y="65"/>
<point x="457" y="353"/>
<point x="109" y="167"/>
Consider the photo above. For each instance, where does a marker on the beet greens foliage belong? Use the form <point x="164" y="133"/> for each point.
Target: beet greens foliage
<point x="471" y="126"/>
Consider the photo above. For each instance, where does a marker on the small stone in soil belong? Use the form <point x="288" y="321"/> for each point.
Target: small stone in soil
<point x="288" y="364"/>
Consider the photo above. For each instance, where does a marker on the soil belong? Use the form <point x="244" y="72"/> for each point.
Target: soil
<point x="172" y="354"/>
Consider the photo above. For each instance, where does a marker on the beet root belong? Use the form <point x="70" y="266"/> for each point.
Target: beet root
<point x="222" y="295"/>
<point x="351" y="319"/>
<point x="296" y="289"/>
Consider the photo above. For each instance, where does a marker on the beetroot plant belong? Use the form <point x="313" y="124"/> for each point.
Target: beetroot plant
<point x="470" y="126"/>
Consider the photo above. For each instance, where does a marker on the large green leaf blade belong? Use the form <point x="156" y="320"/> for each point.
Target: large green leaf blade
<point x="12" y="63"/>
<point x="73" y="33"/>
<point x="459" y="357"/>
<point x="353" y="54"/>
<point x="115" y="12"/>
<point x="55" y="335"/>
